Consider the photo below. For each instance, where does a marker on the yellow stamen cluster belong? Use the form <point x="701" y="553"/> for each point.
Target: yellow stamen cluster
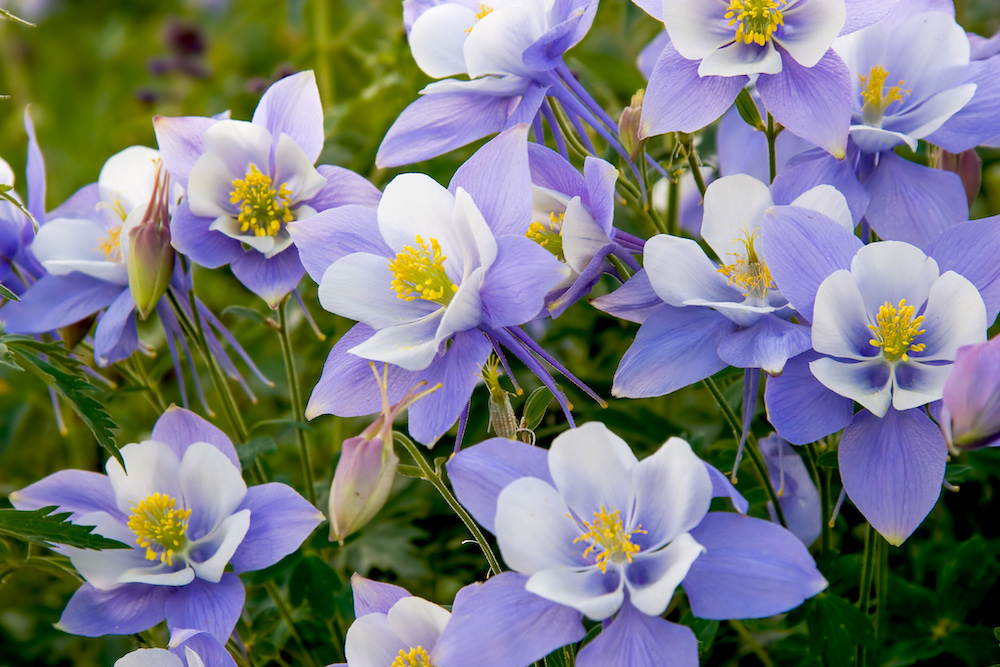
<point x="608" y="532"/>
<point x="549" y="236"/>
<point x="749" y="272"/>
<point x="415" y="657"/>
<point x="873" y="94"/>
<point x="484" y="9"/>
<point x="110" y="245"/>
<point x="263" y="210"/>
<point x="418" y="273"/>
<point x="895" y="330"/>
<point x="757" y="19"/>
<point x="159" y="527"/>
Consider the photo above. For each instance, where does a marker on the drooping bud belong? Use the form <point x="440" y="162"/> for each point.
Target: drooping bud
<point x="150" y="260"/>
<point x="970" y="411"/>
<point x="967" y="164"/>
<point x="629" y="126"/>
<point x="367" y="466"/>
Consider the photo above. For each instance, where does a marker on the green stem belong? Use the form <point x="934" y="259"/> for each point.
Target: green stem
<point x="882" y="593"/>
<point x="753" y="450"/>
<point x="673" y="203"/>
<point x="867" y="573"/>
<point x="693" y="162"/>
<point x="136" y="375"/>
<point x="434" y="477"/>
<point x="286" y="615"/>
<point x="823" y="484"/>
<point x="636" y="204"/>
<point x="568" y="131"/>
<point x="771" y="136"/>
<point x="751" y="643"/>
<point x="321" y="22"/>
<point x="297" y="409"/>
<point x="619" y="265"/>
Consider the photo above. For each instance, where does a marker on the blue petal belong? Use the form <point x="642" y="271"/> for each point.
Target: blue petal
<point x="551" y="170"/>
<point x="181" y="142"/>
<point x="800" y="408"/>
<point x="343" y="188"/>
<point x="498" y="179"/>
<point x="34" y="171"/>
<point x="515" y="286"/>
<point x="499" y="624"/>
<point x="329" y="235"/>
<point x="124" y="610"/>
<point x="280" y="520"/>
<point x="892" y="469"/>
<point x="816" y="167"/>
<point x="81" y="204"/>
<point x="57" y="301"/>
<point x="292" y="106"/>
<point x="116" y="335"/>
<point x="208" y="648"/>
<point x="862" y="13"/>
<point x="190" y="235"/>
<point x="179" y="429"/>
<point x="546" y="53"/>
<point x="211" y="608"/>
<point x="978" y="120"/>
<point x="651" y="52"/>
<point x="373" y="597"/>
<point x="636" y="640"/>
<point x="751" y="569"/>
<point x="913" y="203"/>
<point x="634" y="301"/>
<point x="478" y="474"/>
<point x="797" y="495"/>
<point x="768" y="344"/>
<point x="970" y="249"/>
<point x="675" y="347"/>
<point x="678" y="100"/>
<point x="723" y="488"/>
<point x="802" y="248"/>
<point x="813" y="102"/>
<point x="76" y="491"/>
<point x="269" y="278"/>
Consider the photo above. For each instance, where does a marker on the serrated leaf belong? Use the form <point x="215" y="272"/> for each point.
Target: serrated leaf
<point x="7" y="358"/>
<point x="7" y="294"/>
<point x="42" y="527"/>
<point x="254" y="448"/>
<point x="63" y="373"/>
<point x="535" y="407"/>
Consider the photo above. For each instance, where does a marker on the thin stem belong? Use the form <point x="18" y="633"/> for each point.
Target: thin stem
<point x="691" y="153"/>
<point x="882" y="593"/>
<point x="771" y="137"/>
<point x="867" y="572"/>
<point x="673" y="203"/>
<point x="434" y="477"/>
<point x="286" y="615"/>
<point x="567" y="130"/>
<point x="752" y="447"/>
<point x="823" y="484"/>
<point x="136" y="374"/>
<point x="297" y="409"/>
<point x="751" y="643"/>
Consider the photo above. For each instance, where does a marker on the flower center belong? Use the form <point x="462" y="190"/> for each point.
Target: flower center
<point x="549" y="236"/>
<point x="159" y="527"/>
<point x="896" y="330"/>
<point x="607" y="532"/>
<point x="756" y="19"/>
<point x="484" y="9"/>
<point x="418" y="273"/>
<point x="415" y="657"/>
<point x="875" y="99"/>
<point x="749" y="272"/>
<point x="263" y="209"/>
<point x="110" y="245"/>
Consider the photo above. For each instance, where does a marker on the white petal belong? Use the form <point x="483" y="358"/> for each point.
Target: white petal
<point x="829" y="201"/>
<point x="212" y="488"/>
<point x="582" y="237"/>
<point x="501" y="86"/>
<point x="811" y="28"/>
<point x="921" y="120"/>
<point x="916" y="384"/>
<point x="867" y="382"/>
<point x="293" y="168"/>
<point x="231" y="227"/>
<point x="929" y="52"/>
<point x="841" y="320"/>
<point x="418" y="622"/>
<point x="411" y="346"/>
<point x="672" y="493"/>
<point x="149" y="657"/>
<point x="697" y="27"/>
<point x="437" y="37"/>
<point x="210" y="184"/>
<point x="679" y="270"/>
<point x="129" y="177"/>
<point x="111" y="272"/>
<point x="497" y="42"/>
<point x="597" y="595"/>
<point x="652" y="578"/>
<point x="889" y="271"/>
<point x="740" y="58"/>
<point x="359" y="287"/>
<point x="465" y="311"/>
<point x="479" y="246"/>
<point x="955" y="316"/>
<point x="877" y="140"/>
<point x="219" y="546"/>
<point x="415" y="204"/>
<point x="238" y="144"/>
<point x="69" y="239"/>
<point x="592" y="468"/>
<point x="734" y="209"/>
<point x="744" y="313"/>
<point x="152" y="467"/>
<point x="371" y="642"/>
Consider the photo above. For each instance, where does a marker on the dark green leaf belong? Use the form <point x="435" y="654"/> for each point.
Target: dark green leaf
<point x="44" y="528"/>
<point x="317" y="583"/>
<point x="748" y="110"/>
<point x="535" y="407"/>
<point x="828" y="460"/>
<point x="558" y="658"/>
<point x="836" y="628"/>
<point x="7" y="294"/>
<point x="410" y="471"/>
<point x="254" y="448"/>
<point x="996" y="633"/>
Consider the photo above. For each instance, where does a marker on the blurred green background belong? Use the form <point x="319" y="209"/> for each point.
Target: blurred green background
<point x="96" y="72"/>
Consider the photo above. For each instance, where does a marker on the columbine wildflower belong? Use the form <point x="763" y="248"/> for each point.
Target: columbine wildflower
<point x="183" y="507"/>
<point x="188" y="648"/>
<point x="970" y="409"/>
<point x="247" y="180"/>
<point x="594" y="529"/>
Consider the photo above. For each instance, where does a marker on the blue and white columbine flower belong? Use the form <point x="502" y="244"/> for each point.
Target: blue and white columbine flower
<point x="189" y="516"/>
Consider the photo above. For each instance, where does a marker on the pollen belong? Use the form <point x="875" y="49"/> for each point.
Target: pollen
<point x="263" y="210"/>
<point x="875" y="98"/>
<point x="755" y="20"/>
<point x="418" y="273"/>
<point x="159" y="527"/>
<point x="549" y="235"/>
<point x="895" y="331"/>
<point x="607" y="532"/>
<point x="415" y="657"/>
<point x="749" y="273"/>
<point x="484" y="9"/>
<point x="110" y="245"/>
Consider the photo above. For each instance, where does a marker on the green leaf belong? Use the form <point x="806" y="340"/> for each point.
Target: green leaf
<point x="748" y="110"/>
<point x="828" y="460"/>
<point x="410" y="471"/>
<point x="247" y="314"/>
<point x="558" y="658"/>
<point x="836" y="628"/>
<point x="996" y="633"/>
<point x="315" y="582"/>
<point x="16" y="19"/>
<point x="305" y="426"/>
<point x="7" y="294"/>
<point x="535" y="407"/>
<point x="44" y="528"/>
<point x="53" y="364"/>
<point x="254" y="448"/>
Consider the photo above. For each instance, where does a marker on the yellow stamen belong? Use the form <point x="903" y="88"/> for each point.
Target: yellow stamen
<point x="875" y="99"/>
<point x="415" y="657"/>
<point x="110" y="245"/>
<point x="418" y="273"/>
<point x="159" y="527"/>
<point x="749" y="272"/>
<point x="263" y="210"/>
<point x="755" y="20"/>
<point x="484" y="9"/>
<point x="608" y="532"/>
<point x="549" y="236"/>
<point x="895" y="330"/>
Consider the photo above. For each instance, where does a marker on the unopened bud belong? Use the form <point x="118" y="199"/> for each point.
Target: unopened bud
<point x="967" y="164"/>
<point x="629" y="126"/>
<point x="502" y="418"/>
<point x="150" y="257"/>
<point x="970" y="406"/>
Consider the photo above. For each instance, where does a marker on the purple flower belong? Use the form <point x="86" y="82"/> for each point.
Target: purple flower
<point x="970" y="410"/>
<point x="188" y="648"/>
<point x="598" y="531"/>
<point x="184" y="507"/>
<point x="247" y="180"/>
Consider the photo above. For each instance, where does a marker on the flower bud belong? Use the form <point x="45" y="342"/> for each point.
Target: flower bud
<point x="149" y="255"/>
<point x="967" y="164"/>
<point x="503" y="422"/>
<point x="629" y="126"/>
<point x="970" y="411"/>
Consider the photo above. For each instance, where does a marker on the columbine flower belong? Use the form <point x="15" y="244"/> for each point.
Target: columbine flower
<point x="184" y="508"/>
<point x="888" y="320"/>
<point x="594" y="529"/>
<point x="970" y="410"/>
<point x="247" y="180"/>
<point x="397" y="629"/>
<point x="188" y="648"/>
<point x="426" y="275"/>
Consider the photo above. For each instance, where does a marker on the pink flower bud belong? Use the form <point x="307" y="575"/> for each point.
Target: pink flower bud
<point x="629" y="126"/>
<point x="970" y="412"/>
<point x="150" y="260"/>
